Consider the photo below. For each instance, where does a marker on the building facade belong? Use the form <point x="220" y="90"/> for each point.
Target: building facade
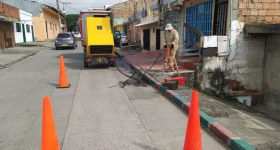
<point x="8" y="15"/>
<point x="121" y="16"/>
<point x="48" y="24"/>
<point x="24" y="30"/>
<point x="237" y="49"/>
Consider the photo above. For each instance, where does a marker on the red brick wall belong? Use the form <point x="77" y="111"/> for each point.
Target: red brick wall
<point x="9" y="11"/>
<point x="259" y="11"/>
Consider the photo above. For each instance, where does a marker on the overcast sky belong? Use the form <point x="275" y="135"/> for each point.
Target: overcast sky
<point x="77" y="5"/>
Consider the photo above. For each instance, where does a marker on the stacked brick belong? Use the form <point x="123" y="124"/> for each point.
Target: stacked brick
<point x="259" y="11"/>
<point x="9" y="11"/>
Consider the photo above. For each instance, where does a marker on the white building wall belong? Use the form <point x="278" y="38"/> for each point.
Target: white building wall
<point x="245" y="62"/>
<point x="26" y="19"/>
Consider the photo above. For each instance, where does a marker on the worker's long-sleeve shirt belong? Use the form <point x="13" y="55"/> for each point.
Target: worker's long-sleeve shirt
<point x="173" y="38"/>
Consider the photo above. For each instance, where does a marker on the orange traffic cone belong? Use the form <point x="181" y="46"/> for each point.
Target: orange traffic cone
<point x="63" y="82"/>
<point x="49" y="137"/>
<point x="193" y="136"/>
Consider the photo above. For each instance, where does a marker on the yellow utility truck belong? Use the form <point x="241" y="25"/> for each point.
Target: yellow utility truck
<point x="97" y="38"/>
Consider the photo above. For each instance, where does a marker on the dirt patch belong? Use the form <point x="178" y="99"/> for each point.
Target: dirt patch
<point x="207" y="105"/>
<point x="268" y="146"/>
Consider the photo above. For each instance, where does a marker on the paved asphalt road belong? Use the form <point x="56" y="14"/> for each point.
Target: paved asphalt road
<point x="94" y="114"/>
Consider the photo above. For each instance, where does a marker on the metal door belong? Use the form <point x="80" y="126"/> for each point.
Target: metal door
<point x="146" y="39"/>
<point x="158" y="39"/>
<point x="200" y="17"/>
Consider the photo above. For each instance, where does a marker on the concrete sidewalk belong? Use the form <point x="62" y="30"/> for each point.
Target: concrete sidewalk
<point x="144" y="59"/>
<point x="244" y="123"/>
<point x="13" y="55"/>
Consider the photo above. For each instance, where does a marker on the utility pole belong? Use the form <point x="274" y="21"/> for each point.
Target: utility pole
<point x="63" y="11"/>
<point x="65" y="3"/>
<point x="57" y="5"/>
<point x="135" y="9"/>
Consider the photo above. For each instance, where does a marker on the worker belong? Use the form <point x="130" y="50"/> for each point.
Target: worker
<point x="172" y="41"/>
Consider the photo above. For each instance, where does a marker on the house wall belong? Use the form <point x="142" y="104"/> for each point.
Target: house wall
<point x="271" y="79"/>
<point x="251" y="65"/>
<point x="259" y="11"/>
<point x="153" y="28"/>
<point x="9" y="11"/>
<point x="245" y="60"/>
<point x="123" y="10"/>
<point x="53" y="25"/>
<point x="26" y="19"/>
<point x="40" y="28"/>
<point x="246" y="53"/>
<point x="7" y="38"/>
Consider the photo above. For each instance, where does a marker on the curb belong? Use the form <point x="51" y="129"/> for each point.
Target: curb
<point x="233" y="141"/>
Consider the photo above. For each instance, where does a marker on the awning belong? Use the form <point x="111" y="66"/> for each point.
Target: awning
<point x="118" y="22"/>
<point x="147" y="21"/>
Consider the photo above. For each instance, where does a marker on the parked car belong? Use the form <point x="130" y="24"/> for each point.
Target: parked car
<point x="120" y="39"/>
<point x="77" y="35"/>
<point x="65" y="40"/>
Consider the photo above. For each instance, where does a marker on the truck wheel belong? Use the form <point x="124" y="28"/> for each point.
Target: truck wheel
<point x="85" y="64"/>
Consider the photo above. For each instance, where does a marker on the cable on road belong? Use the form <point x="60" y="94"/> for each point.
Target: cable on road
<point x="124" y="83"/>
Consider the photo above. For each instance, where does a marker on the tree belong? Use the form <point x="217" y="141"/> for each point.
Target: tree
<point x="71" y="21"/>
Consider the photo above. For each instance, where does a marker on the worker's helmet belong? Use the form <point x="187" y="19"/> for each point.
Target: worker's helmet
<point x="169" y="26"/>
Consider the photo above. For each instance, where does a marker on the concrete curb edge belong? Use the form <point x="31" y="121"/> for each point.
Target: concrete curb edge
<point x="233" y="141"/>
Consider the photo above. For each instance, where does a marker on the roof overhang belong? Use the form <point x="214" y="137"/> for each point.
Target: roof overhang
<point x="262" y="29"/>
<point x="8" y="19"/>
<point x="147" y="21"/>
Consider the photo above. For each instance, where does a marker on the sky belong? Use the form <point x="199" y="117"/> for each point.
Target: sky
<point x="77" y="5"/>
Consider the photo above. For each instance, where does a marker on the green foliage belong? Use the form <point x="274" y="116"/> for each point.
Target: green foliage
<point x="71" y="21"/>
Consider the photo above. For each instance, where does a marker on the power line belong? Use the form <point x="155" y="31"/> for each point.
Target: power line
<point x="69" y="5"/>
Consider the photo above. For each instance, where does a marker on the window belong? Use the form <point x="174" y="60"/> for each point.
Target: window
<point x="64" y="35"/>
<point x="200" y="17"/>
<point x="99" y="27"/>
<point x="18" y="27"/>
<point x="27" y="28"/>
<point x="220" y="17"/>
<point x="55" y="28"/>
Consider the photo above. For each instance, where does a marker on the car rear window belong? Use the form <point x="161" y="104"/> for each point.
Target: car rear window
<point x="64" y="35"/>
